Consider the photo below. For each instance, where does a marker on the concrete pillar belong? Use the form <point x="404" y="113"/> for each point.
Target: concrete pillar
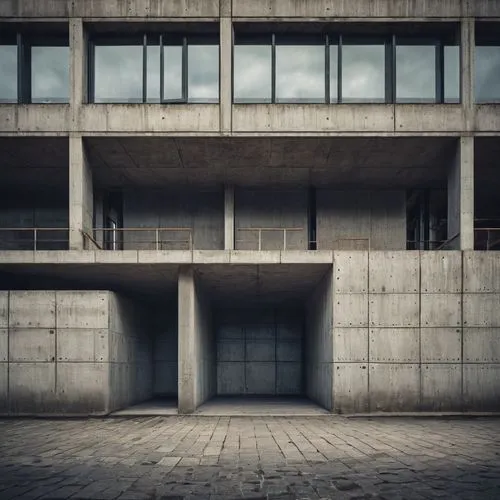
<point x="226" y="62"/>
<point x="81" y="205"/>
<point x="78" y="63"/>
<point x="468" y="71"/>
<point x="461" y="196"/>
<point x="229" y="218"/>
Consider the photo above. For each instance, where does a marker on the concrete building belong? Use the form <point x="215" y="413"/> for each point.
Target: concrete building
<point x="272" y="198"/>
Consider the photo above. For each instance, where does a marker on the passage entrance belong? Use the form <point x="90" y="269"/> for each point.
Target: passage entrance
<point x="260" y="352"/>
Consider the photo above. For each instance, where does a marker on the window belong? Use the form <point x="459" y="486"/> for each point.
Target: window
<point x="8" y="70"/>
<point x="488" y="73"/>
<point x="155" y="69"/>
<point x="452" y="73"/>
<point x="49" y="74"/>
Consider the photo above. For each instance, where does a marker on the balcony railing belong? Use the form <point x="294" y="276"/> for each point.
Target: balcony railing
<point x="34" y="238"/>
<point x="270" y="238"/>
<point x="141" y="238"/>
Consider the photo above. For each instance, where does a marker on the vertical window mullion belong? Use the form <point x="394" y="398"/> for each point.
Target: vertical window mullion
<point x="339" y="70"/>
<point x="185" y="69"/>
<point x="393" y="69"/>
<point x="145" y="68"/>
<point x="327" y="69"/>
<point x="439" y="71"/>
<point x="273" y="68"/>
<point x="20" y="75"/>
<point x="91" y="72"/>
<point x="162" y="71"/>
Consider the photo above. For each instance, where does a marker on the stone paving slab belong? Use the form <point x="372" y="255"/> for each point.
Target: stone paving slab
<point x="248" y="457"/>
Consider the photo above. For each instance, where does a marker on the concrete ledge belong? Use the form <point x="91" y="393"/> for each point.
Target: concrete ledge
<point x="487" y="118"/>
<point x="34" y="118"/>
<point x="306" y="257"/>
<point x="161" y="256"/>
<point x="424" y="414"/>
<point x="113" y="257"/>
<point x="35" y="8"/>
<point x="429" y="118"/>
<point x="211" y="257"/>
<point x="249" y="257"/>
<point x="64" y="257"/>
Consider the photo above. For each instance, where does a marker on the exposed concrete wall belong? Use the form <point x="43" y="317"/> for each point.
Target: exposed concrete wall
<point x="261" y="208"/>
<point x="319" y="344"/>
<point x="197" y="354"/>
<point x="358" y="220"/>
<point x="229" y="218"/>
<point x="165" y="352"/>
<point x="201" y="211"/>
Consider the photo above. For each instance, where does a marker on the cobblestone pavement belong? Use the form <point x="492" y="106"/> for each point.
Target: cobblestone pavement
<point x="260" y="458"/>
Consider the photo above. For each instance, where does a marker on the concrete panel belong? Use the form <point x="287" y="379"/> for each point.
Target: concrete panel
<point x="481" y="272"/>
<point x="231" y="351"/>
<point x="350" y="344"/>
<point x="32" y="388"/>
<point x="481" y="309"/>
<point x="230" y="378"/>
<point x="82" y="309"/>
<point x="429" y="118"/>
<point x="441" y="272"/>
<point x="388" y="220"/>
<point x="4" y="387"/>
<point x="441" y="387"/>
<point x="260" y="378"/>
<point x="397" y="345"/>
<point x="34" y="309"/>
<point x="260" y="351"/>
<point x="312" y="118"/>
<point x="481" y="389"/>
<point x="4" y="345"/>
<point x="394" y="272"/>
<point x="482" y="345"/>
<point x="34" y="8"/>
<point x="350" y="388"/>
<point x="350" y="310"/>
<point x="394" y="310"/>
<point x="350" y="272"/>
<point x="485" y="8"/>
<point x="441" y="345"/>
<point x="288" y="351"/>
<point x="83" y="345"/>
<point x="32" y="344"/>
<point x="82" y="388"/>
<point x="487" y="116"/>
<point x="4" y="309"/>
<point x="165" y="378"/>
<point x="440" y="310"/>
<point x="289" y="379"/>
<point x="149" y="118"/>
<point x="394" y="387"/>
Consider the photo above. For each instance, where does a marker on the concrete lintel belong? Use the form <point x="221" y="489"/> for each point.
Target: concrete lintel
<point x="170" y="256"/>
<point x="64" y="257"/>
<point x="252" y="257"/>
<point x="307" y="257"/>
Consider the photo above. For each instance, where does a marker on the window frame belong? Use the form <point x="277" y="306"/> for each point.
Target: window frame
<point x="484" y="42"/>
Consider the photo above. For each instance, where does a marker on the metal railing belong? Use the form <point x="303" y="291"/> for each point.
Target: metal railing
<point x="285" y="238"/>
<point x="487" y="238"/>
<point x="142" y="238"/>
<point x="34" y="238"/>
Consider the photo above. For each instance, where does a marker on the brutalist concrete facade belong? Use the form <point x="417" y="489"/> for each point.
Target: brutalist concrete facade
<point x="259" y="248"/>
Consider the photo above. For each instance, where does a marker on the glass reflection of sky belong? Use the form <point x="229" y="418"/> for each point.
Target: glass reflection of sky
<point x="8" y="72"/>
<point x="415" y="73"/>
<point x="488" y="74"/>
<point x="49" y="74"/>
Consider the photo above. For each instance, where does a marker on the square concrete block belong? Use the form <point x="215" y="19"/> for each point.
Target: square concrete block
<point x="481" y="387"/>
<point x="394" y="387"/>
<point x="440" y="310"/>
<point x="4" y="309"/>
<point x="394" y="310"/>
<point x="32" y="388"/>
<point x="289" y="379"/>
<point x="87" y="309"/>
<point x="229" y="332"/>
<point x="350" y="387"/>
<point x="4" y="384"/>
<point x="83" y="388"/>
<point x="394" y="272"/>
<point x="34" y="309"/>
<point x="260" y="351"/>
<point x="350" y="310"/>
<point x="482" y="345"/>
<point x="260" y="378"/>
<point x="397" y="345"/>
<point x="441" y="345"/>
<point x="4" y="345"/>
<point x="230" y="378"/>
<point x="481" y="272"/>
<point x="231" y="351"/>
<point x="260" y="333"/>
<point x="32" y="344"/>
<point x="82" y="344"/>
<point x="441" y="387"/>
<point x="350" y="272"/>
<point x="165" y="378"/>
<point x="350" y="344"/>
<point x="481" y="310"/>
<point x="292" y="329"/>
<point x="441" y="272"/>
<point x="289" y="351"/>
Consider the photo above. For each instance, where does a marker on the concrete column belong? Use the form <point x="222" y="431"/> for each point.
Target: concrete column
<point x="468" y="71"/>
<point x="461" y="196"/>
<point x="229" y="218"/>
<point x="81" y="205"/>
<point x="226" y="63"/>
<point x="78" y="63"/>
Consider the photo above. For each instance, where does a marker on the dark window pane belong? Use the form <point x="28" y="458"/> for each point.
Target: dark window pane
<point x="49" y="74"/>
<point x="415" y="73"/>
<point x="203" y="73"/>
<point x="488" y="74"/>
<point x="363" y="73"/>
<point x="300" y="73"/>
<point x="8" y="73"/>
<point x="172" y="83"/>
<point x="252" y="73"/>
<point x="452" y="73"/>
<point x="118" y="73"/>
<point x="153" y="75"/>
<point x="334" y="73"/>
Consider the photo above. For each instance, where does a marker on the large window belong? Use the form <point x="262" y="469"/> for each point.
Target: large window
<point x="155" y="69"/>
<point x="488" y="73"/>
<point x="34" y="70"/>
<point x="345" y="69"/>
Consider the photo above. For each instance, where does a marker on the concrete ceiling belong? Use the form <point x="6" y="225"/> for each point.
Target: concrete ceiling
<point x="368" y="162"/>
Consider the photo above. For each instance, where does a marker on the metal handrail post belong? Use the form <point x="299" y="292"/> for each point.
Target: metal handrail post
<point x="34" y="239"/>
<point x="284" y="239"/>
<point x="157" y="232"/>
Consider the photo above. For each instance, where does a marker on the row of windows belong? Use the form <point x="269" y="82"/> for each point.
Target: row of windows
<point x="274" y="69"/>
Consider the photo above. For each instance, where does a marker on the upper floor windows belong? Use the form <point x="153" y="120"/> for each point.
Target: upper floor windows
<point x="155" y="69"/>
<point x="487" y="62"/>
<point x="345" y="69"/>
<point x="34" y="69"/>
